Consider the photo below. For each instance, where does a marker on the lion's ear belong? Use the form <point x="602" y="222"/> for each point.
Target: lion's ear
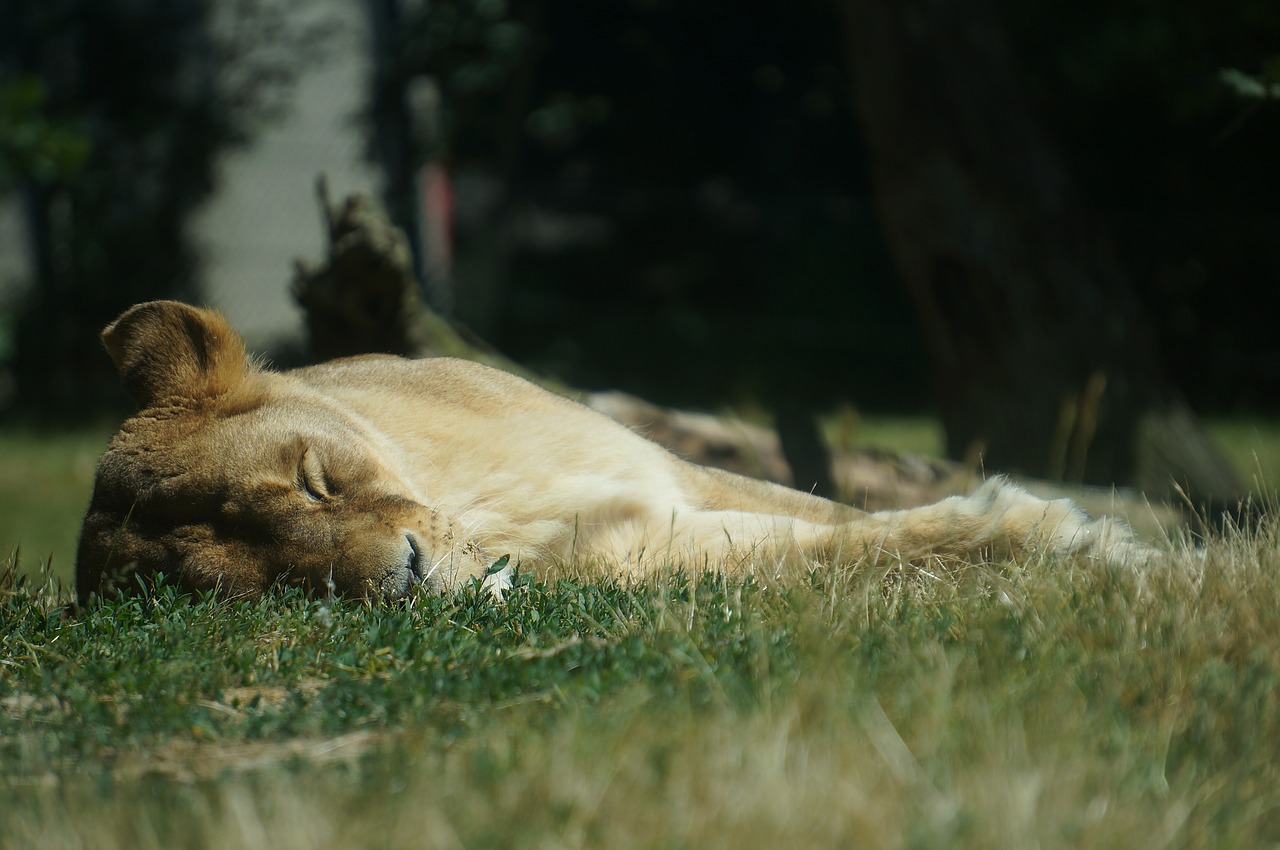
<point x="166" y="349"/>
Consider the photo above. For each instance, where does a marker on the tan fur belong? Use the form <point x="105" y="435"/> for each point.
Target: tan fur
<point x="371" y="474"/>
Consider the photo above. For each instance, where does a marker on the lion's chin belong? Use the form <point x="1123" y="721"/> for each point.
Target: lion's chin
<point x="406" y="577"/>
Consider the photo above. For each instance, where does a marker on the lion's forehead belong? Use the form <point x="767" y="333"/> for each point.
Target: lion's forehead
<point x="248" y="456"/>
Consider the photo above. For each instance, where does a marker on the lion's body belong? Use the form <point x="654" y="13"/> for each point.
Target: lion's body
<point x="373" y="473"/>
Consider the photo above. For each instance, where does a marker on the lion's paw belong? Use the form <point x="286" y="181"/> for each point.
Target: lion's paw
<point x="498" y="581"/>
<point x="1022" y="524"/>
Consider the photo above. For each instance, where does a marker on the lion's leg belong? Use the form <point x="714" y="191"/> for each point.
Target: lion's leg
<point x="999" y="519"/>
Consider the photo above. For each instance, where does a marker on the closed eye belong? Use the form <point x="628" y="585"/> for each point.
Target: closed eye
<point x="311" y="478"/>
<point x="311" y="492"/>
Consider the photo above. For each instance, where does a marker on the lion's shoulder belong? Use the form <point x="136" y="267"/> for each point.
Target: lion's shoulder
<point x="387" y="381"/>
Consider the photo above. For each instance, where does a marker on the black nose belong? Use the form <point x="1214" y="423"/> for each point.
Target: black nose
<point x="415" y="559"/>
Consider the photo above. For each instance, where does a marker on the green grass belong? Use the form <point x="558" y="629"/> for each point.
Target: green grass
<point x="916" y="435"/>
<point x="45" y="480"/>
<point x="1253" y="446"/>
<point x="1057" y="705"/>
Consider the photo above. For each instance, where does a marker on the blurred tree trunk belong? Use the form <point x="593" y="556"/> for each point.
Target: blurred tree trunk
<point x="1042" y="359"/>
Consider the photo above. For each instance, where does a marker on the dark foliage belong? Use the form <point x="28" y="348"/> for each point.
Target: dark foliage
<point x="143" y="83"/>
<point x="690" y="176"/>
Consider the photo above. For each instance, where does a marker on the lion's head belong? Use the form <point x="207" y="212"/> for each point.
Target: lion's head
<point x="234" y="478"/>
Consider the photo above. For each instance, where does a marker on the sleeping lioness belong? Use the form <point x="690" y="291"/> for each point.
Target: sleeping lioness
<point x="372" y="475"/>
